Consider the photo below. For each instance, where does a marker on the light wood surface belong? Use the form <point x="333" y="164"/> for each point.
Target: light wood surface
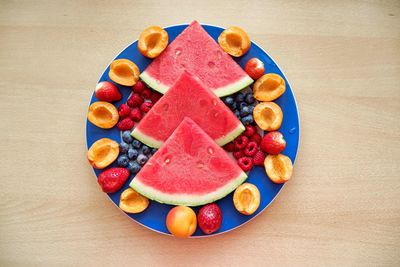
<point x="342" y="207"/>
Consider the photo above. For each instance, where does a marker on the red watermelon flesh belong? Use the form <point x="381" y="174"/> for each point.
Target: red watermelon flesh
<point x="189" y="169"/>
<point x="196" y="51"/>
<point x="188" y="97"/>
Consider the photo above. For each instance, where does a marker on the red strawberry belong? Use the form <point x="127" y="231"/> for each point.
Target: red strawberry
<point x="245" y="163"/>
<point x="124" y="110"/>
<point x="229" y="147"/>
<point x="241" y="142"/>
<point x="146" y="106"/>
<point x="139" y="87"/>
<point x="238" y="154"/>
<point x="106" y="91"/>
<point x="125" y="124"/>
<point x="273" y="143"/>
<point x="250" y="130"/>
<point x="155" y="96"/>
<point x="146" y="93"/>
<point x="113" y="179"/>
<point x="135" y="100"/>
<point x="209" y="218"/>
<point x="136" y="114"/>
<point x="259" y="158"/>
<point x="256" y="138"/>
<point x="251" y="149"/>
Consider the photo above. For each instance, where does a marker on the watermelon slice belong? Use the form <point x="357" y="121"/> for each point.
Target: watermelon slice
<point x="188" y="97"/>
<point x="197" y="52"/>
<point x="189" y="169"/>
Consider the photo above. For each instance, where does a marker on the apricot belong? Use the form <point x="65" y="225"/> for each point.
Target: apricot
<point x="246" y="198"/>
<point x="181" y="221"/>
<point x="279" y="168"/>
<point x="124" y="72"/>
<point x="103" y="114"/>
<point x="102" y="153"/>
<point x="268" y="116"/>
<point x="269" y="87"/>
<point x="152" y="41"/>
<point x="132" y="202"/>
<point x="234" y="41"/>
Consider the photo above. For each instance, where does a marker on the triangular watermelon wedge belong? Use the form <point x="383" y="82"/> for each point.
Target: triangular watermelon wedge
<point x="188" y="97"/>
<point x="196" y="51"/>
<point x="189" y="169"/>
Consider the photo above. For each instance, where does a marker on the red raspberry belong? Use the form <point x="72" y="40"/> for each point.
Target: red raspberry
<point x="125" y="124"/>
<point x="136" y="114"/>
<point x="241" y="142"/>
<point x="238" y="154"/>
<point x="146" y="106"/>
<point x="256" y="138"/>
<point x="250" y="130"/>
<point x="259" y="158"/>
<point x="251" y="149"/>
<point x="146" y="93"/>
<point x="245" y="163"/>
<point x="139" y="87"/>
<point x="135" y="100"/>
<point x="124" y="110"/>
<point x="155" y="96"/>
<point x="229" y="147"/>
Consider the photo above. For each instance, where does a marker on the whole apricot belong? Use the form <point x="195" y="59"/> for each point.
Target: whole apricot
<point x="152" y="41"/>
<point x="102" y="153"/>
<point x="181" y="221"/>
<point x="124" y="72"/>
<point x="234" y="41"/>
<point x="268" y="116"/>
<point x="269" y="87"/>
<point x="132" y="202"/>
<point x="103" y="114"/>
<point x="246" y="198"/>
<point x="279" y="168"/>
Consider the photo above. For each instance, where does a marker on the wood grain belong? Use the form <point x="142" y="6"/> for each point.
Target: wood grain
<point x="342" y="207"/>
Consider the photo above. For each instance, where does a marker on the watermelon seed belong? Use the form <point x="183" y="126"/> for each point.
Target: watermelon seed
<point x="178" y="51"/>
<point x="165" y="107"/>
<point x="215" y="102"/>
<point x="210" y="150"/>
<point x="167" y="160"/>
<point x="211" y="64"/>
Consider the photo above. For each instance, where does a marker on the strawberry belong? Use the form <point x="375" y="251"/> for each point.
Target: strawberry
<point x="251" y="149"/>
<point x="113" y="179"/>
<point x="136" y="114"/>
<point x="146" y="93"/>
<point x="135" y="100"/>
<point x="229" y="147"/>
<point x="139" y="87"/>
<point x="124" y="110"/>
<point x="106" y="91"/>
<point x="256" y="138"/>
<point x="245" y="163"/>
<point x="241" y="142"/>
<point x="259" y="158"/>
<point x="250" y="130"/>
<point x="146" y="106"/>
<point x="125" y="124"/>
<point x="155" y="96"/>
<point x="273" y="143"/>
<point x="209" y="218"/>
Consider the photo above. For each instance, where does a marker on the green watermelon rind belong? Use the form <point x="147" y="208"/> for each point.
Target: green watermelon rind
<point x="220" y="92"/>
<point x="149" y="141"/>
<point x="187" y="199"/>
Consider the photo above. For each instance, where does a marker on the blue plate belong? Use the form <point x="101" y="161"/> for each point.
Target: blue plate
<point x="154" y="216"/>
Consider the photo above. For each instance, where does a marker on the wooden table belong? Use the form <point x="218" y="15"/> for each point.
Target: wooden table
<point x="342" y="207"/>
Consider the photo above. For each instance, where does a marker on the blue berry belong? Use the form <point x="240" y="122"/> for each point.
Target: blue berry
<point x="233" y="106"/>
<point x="127" y="137"/>
<point x="251" y="108"/>
<point x="153" y="151"/>
<point x="136" y="144"/>
<point x="146" y="150"/>
<point x="244" y="111"/>
<point x="237" y="113"/>
<point x="229" y="100"/>
<point x="132" y="153"/>
<point x="133" y="167"/>
<point x="122" y="161"/>
<point x="123" y="147"/>
<point x="242" y="105"/>
<point x="239" y="98"/>
<point x="247" y="119"/>
<point x="249" y="98"/>
<point x="142" y="159"/>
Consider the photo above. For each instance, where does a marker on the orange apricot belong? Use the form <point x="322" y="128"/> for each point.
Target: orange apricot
<point x="234" y="41"/>
<point x="246" y="198"/>
<point x="269" y="87"/>
<point x="124" y="72"/>
<point x="279" y="168"/>
<point x="152" y="41"/>
<point x="102" y="153"/>
<point x="181" y="221"/>
<point x="103" y="114"/>
<point x="268" y="116"/>
<point x="132" y="202"/>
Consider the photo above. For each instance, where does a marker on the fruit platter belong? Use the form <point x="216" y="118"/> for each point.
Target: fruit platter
<point x="192" y="130"/>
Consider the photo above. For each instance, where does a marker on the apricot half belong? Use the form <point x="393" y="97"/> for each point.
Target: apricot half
<point x="103" y="114"/>
<point x="279" y="168"/>
<point x="268" y="116"/>
<point x="246" y="198"/>
<point x="102" y="153"/>
<point x="181" y="221"/>
<point x="124" y="72"/>
<point x="133" y="202"/>
<point x="269" y="87"/>
<point x="152" y="41"/>
<point x="234" y="41"/>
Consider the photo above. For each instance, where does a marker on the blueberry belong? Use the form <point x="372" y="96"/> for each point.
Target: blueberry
<point x="123" y="147"/>
<point x="122" y="161"/>
<point x="244" y="111"/>
<point x="242" y="105"/>
<point x="247" y="119"/>
<point x="237" y="113"/>
<point x="133" y="167"/>
<point x="127" y="137"/>
<point x="229" y="100"/>
<point x="142" y="159"/>
<point x="251" y="108"/>
<point x="146" y="150"/>
<point x="153" y="151"/>
<point x="132" y="153"/>
<point x="233" y="106"/>
<point x="136" y="144"/>
<point x="249" y="98"/>
<point x="239" y="97"/>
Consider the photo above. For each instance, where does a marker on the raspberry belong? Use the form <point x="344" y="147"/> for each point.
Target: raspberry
<point x="146" y="93"/>
<point x="250" y="130"/>
<point x="146" y="106"/>
<point x="238" y="154"/>
<point x="135" y="100"/>
<point x="259" y="158"/>
<point x="251" y="149"/>
<point x="124" y="110"/>
<point x="229" y="147"/>
<point x="256" y="138"/>
<point x="125" y="124"/>
<point x="245" y="163"/>
<point x="241" y="142"/>
<point x="139" y="87"/>
<point x="155" y="96"/>
<point x="136" y="114"/>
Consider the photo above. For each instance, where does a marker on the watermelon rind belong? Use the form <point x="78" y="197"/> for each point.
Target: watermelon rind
<point x="187" y="199"/>
<point x="220" y="92"/>
<point x="151" y="142"/>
